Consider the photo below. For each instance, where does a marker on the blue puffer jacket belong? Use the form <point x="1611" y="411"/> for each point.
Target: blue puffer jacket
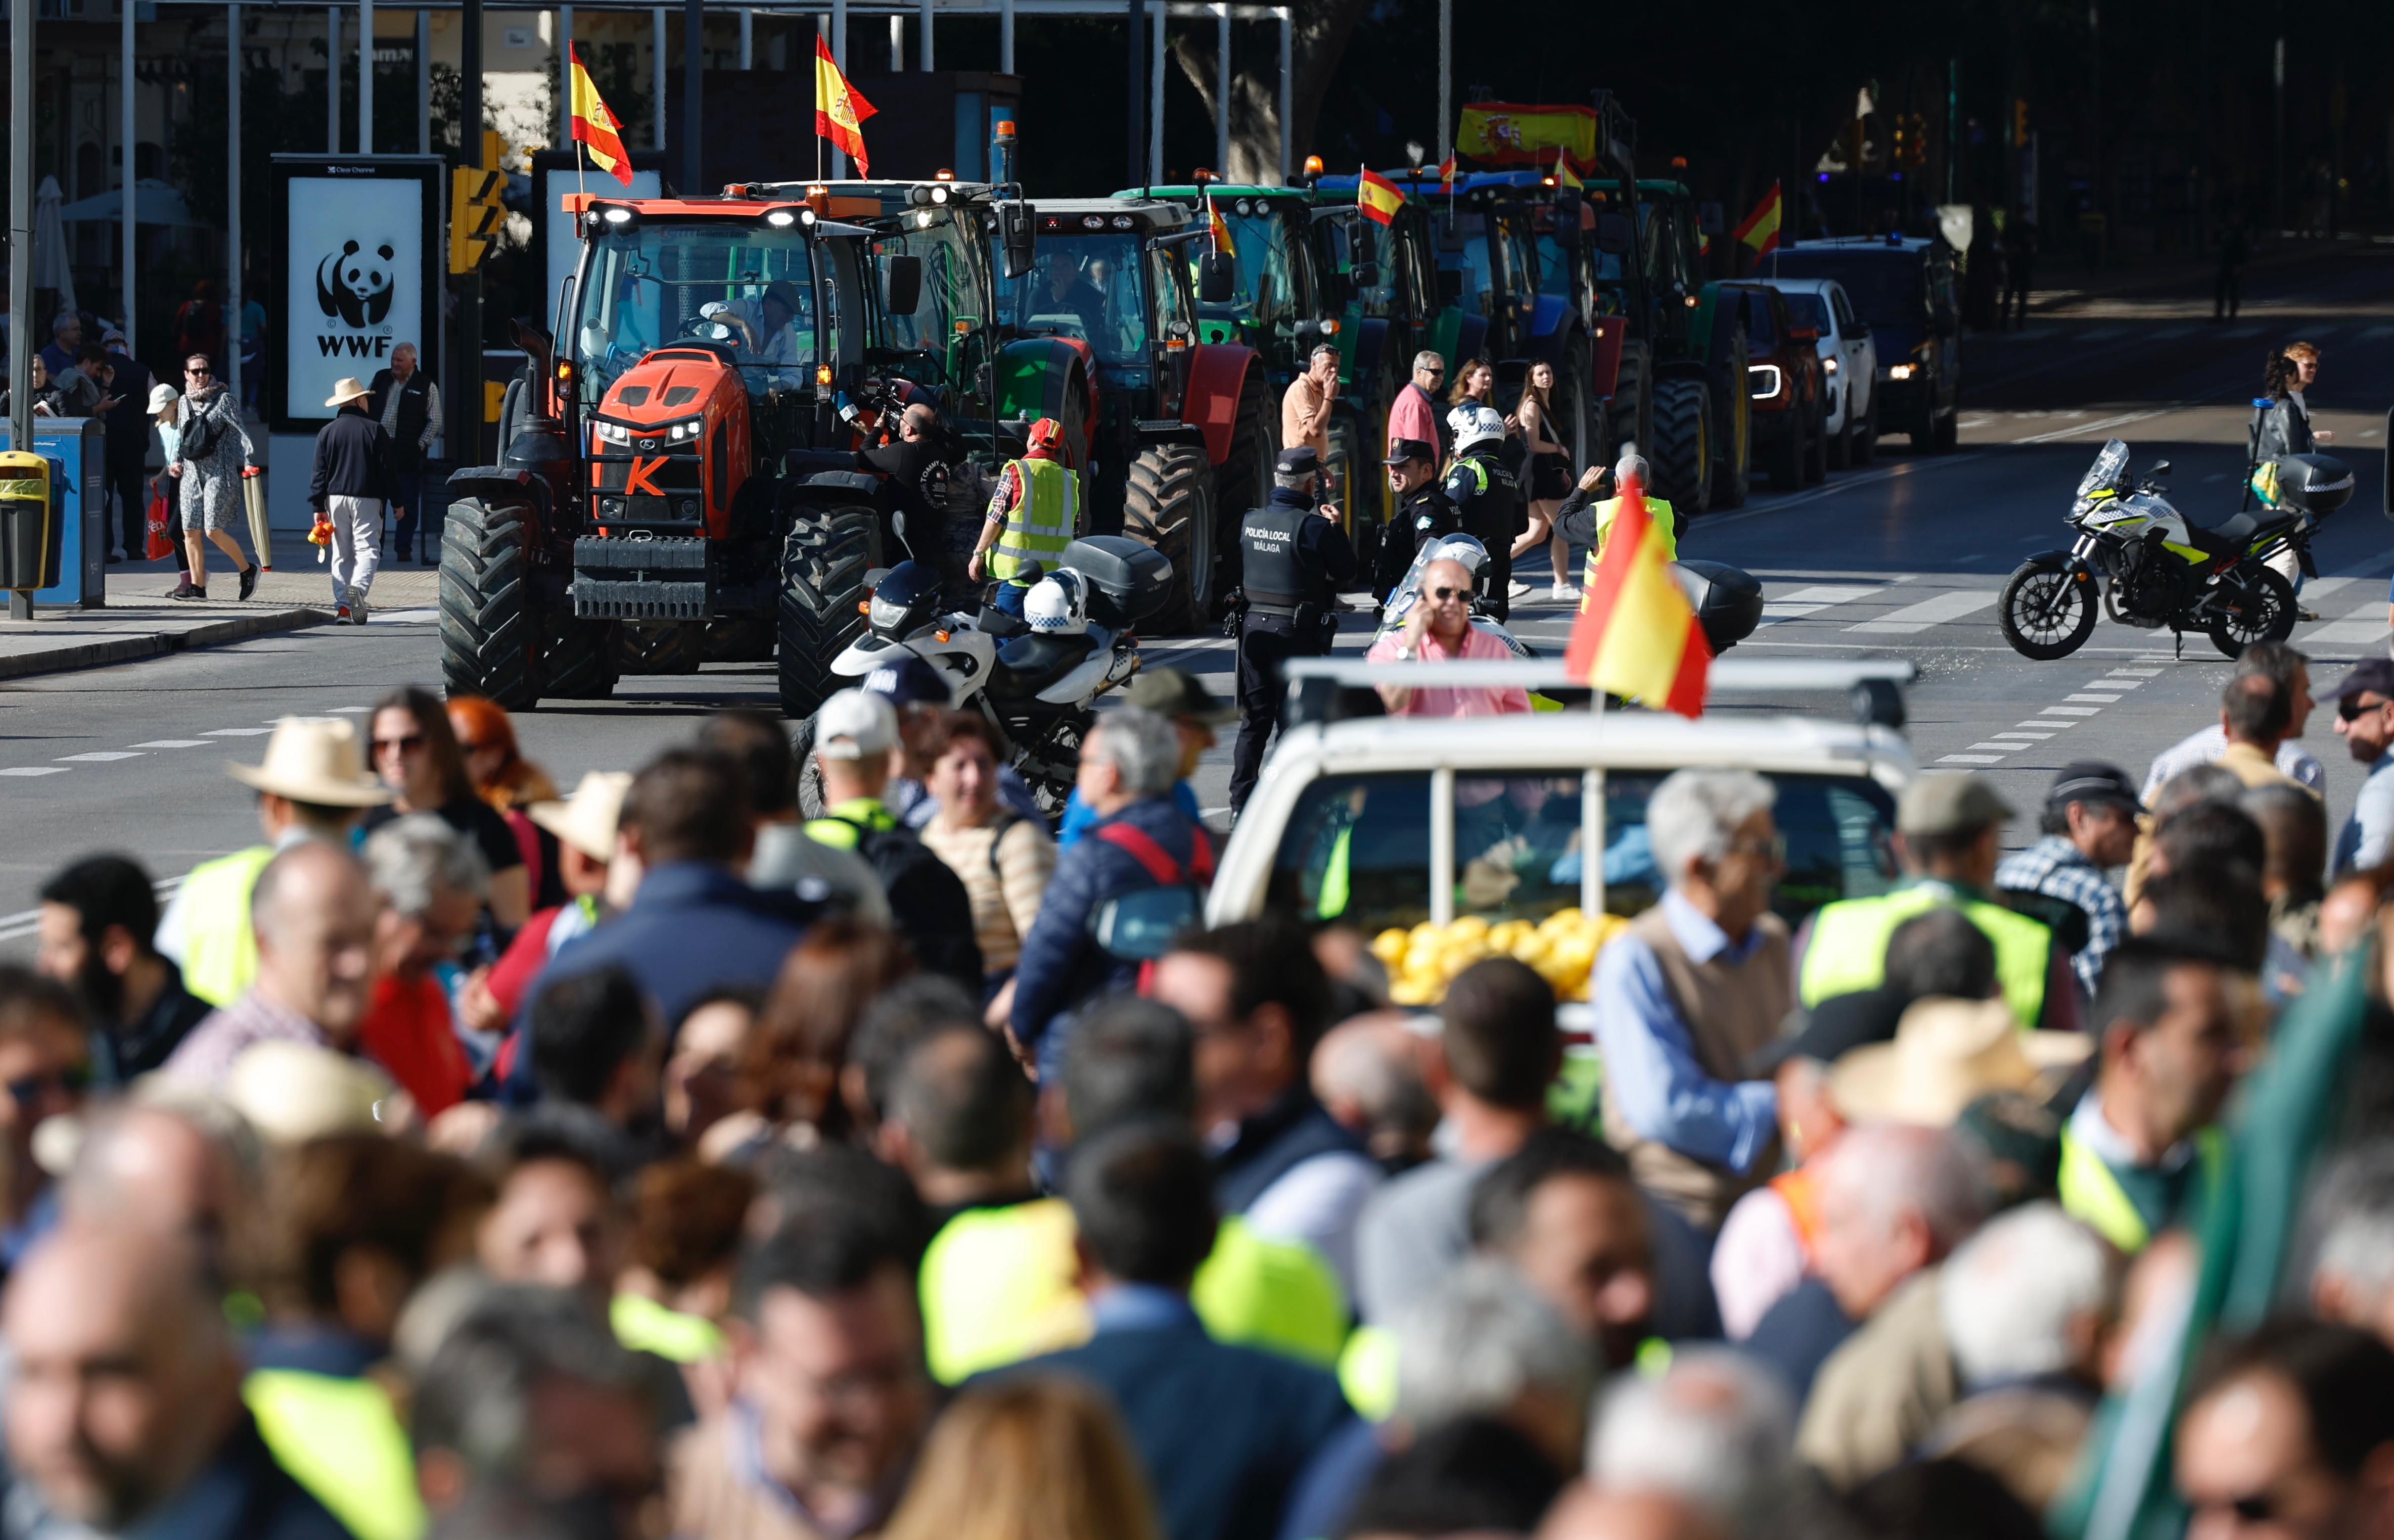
<point x="1061" y="966"/>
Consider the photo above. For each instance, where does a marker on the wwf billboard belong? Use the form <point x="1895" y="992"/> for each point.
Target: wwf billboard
<point x="359" y="271"/>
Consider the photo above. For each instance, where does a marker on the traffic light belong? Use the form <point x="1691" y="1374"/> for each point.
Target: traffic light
<point x="475" y="212"/>
<point x="1903" y="148"/>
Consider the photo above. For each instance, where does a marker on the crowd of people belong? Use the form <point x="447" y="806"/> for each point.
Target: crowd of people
<point x="470" y="1160"/>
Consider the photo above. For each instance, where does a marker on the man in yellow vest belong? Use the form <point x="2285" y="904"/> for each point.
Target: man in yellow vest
<point x="2178" y="1027"/>
<point x="1948" y="831"/>
<point x="1585" y="523"/>
<point x="312" y="785"/>
<point x="1033" y="516"/>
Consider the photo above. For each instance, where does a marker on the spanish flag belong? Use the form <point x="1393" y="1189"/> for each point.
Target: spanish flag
<point x="1564" y="175"/>
<point x="1221" y="229"/>
<point x="595" y="127"/>
<point x="1377" y="197"/>
<point x="1638" y="638"/>
<point x="1446" y="170"/>
<point x="840" y="110"/>
<point x="1761" y="227"/>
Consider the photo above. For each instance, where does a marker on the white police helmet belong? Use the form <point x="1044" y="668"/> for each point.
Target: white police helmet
<point x="1059" y="604"/>
<point x="1473" y="424"/>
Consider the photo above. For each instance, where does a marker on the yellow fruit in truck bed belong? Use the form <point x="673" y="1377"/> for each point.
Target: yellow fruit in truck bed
<point x="1389" y="945"/>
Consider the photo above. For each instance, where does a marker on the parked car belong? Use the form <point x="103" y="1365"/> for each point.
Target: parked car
<point x="1786" y="383"/>
<point x="1904" y="286"/>
<point x="1850" y="359"/>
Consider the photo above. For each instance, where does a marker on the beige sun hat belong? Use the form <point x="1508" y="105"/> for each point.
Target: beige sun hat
<point x="163" y="396"/>
<point x="1946" y="1054"/>
<point x="293" y="1092"/>
<point x="346" y="390"/>
<point x="315" y="760"/>
<point x="586" y="820"/>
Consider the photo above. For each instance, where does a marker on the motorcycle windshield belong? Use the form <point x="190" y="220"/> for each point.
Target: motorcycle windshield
<point x="2110" y="465"/>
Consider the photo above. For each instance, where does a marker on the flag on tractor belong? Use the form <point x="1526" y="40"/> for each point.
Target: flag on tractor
<point x="1564" y="175"/>
<point x="1639" y="637"/>
<point x="595" y="127"/>
<point x="1378" y="197"/>
<point x="1761" y="227"/>
<point x="840" y="109"/>
<point x="1446" y="169"/>
<point x="1221" y="229"/>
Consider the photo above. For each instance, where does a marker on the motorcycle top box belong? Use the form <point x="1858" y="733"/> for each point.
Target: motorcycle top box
<point x="2315" y="484"/>
<point x="1129" y="582"/>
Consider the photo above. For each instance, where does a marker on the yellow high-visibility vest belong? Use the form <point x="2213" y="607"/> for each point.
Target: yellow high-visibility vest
<point x="1040" y="522"/>
<point x="1849" y="946"/>
<point x="1666" y="526"/>
<point x="219" y="949"/>
<point x="341" y="1439"/>
<point x="2091" y="1193"/>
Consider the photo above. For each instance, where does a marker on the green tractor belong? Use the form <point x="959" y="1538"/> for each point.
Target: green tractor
<point x="1176" y="434"/>
<point x="679" y="480"/>
<point x="1700" y="440"/>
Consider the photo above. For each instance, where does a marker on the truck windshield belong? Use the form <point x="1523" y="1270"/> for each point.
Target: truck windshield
<point x="1887" y="288"/>
<point x="657" y="283"/>
<point x="1808" y="308"/>
<point x="1267" y="287"/>
<point x="1555" y="268"/>
<point x="1085" y="286"/>
<point x="952" y="303"/>
<point x="1463" y="247"/>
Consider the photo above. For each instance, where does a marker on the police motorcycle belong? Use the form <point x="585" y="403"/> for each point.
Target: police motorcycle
<point x="2153" y="566"/>
<point x="1727" y="601"/>
<point x="1035" y="680"/>
<point x="1473" y="556"/>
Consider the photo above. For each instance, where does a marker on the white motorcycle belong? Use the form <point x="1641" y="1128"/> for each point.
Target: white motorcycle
<point x="1407" y="593"/>
<point x="1035" y="686"/>
<point x="1726" y="601"/>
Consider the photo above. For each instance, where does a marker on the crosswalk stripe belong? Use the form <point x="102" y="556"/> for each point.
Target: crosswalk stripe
<point x="1936" y="610"/>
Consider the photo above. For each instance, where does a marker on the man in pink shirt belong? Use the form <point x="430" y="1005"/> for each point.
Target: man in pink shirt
<point x="1414" y="413"/>
<point x="1437" y="629"/>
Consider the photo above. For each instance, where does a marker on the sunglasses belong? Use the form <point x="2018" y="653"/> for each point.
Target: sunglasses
<point x="2352" y="708"/>
<point x="1442" y="594"/>
<point x="407" y="744"/>
<point x="71" y="1081"/>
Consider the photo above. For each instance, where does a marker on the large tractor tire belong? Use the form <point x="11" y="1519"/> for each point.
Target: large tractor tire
<point x="1630" y="412"/>
<point x="578" y="661"/>
<point x="490" y="620"/>
<point x="660" y="646"/>
<point x="1682" y="454"/>
<point x="1240" y="482"/>
<point x="1359" y="479"/>
<point x="1170" y="507"/>
<point x="1733" y="438"/>
<point x="823" y="564"/>
<point x="1575" y="427"/>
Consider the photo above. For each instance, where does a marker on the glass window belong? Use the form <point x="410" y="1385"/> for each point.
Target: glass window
<point x="1845" y="312"/>
<point x="1357" y="848"/>
<point x="1175" y="297"/>
<point x="1837" y="830"/>
<point x="1805" y="308"/>
<point x="1517" y="844"/>
<point x="655" y="284"/>
<point x="1085" y="286"/>
<point x="1887" y="290"/>
<point x="1557" y="268"/>
<point x="950" y="291"/>
<point x="1270" y="282"/>
<point x="1760" y="335"/>
<point x="1519" y="262"/>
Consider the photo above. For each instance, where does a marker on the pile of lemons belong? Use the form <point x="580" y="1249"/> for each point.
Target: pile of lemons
<point x="1562" y="948"/>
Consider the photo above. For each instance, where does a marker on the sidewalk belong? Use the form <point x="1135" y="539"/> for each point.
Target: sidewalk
<point x="140" y="622"/>
<point x="2189" y="275"/>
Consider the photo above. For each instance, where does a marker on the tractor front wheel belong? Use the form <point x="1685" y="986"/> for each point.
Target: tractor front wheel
<point x="489" y="622"/>
<point x="823" y="564"/>
<point x="1681" y="456"/>
<point x="1170" y="507"/>
<point x="578" y="662"/>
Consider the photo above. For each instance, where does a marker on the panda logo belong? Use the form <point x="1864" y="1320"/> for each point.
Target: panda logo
<point x="355" y="286"/>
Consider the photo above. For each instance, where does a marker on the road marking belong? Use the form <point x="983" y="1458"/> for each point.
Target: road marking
<point x="2072" y="710"/>
<point x="402" y="617"/>
<point x="2040" y="737"/>
<point x="35" y="769"/>
<point x="1969" y="758"/>
<point x="1934" y="611"/>
<point x="100" y="757"/>
<point x="351" y="710"/>
<point x="2104" y="699"/>
<point x="2139" y="673"/>
<point x="2363" y="625"/>
<point x="2121" y="421"/>
<point x="240" y="732"/>
<point x="1823" y="595"/>
<point x="2007" y="748"/>
<point x="2327" y="586"/>
<point x="174" y="743"/>
<point x="2108" y="683"/>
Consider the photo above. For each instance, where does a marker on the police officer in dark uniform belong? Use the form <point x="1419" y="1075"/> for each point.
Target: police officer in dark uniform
<point x="1423" y="512"/>
<point x="1295" y="560"/>
<point x="1487" y="500"/>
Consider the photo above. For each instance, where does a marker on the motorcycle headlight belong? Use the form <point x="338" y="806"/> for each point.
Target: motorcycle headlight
<point x="884" y="615"/>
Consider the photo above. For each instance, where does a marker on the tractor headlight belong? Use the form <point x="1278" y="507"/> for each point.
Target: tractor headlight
<point x="690" y="430"/>
<point x="1763" y="381"/>
<point x="613" y="433"/>
<point x="1900" y="371"/>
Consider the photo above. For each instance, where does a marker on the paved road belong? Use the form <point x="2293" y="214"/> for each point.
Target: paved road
<point x="1903" y="558"/>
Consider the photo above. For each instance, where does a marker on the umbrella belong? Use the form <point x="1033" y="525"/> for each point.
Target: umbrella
<point x="154" y="203"/>
<point x="52" y="268"/>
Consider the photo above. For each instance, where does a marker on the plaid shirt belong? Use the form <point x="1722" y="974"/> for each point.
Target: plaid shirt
<point x="2057" y="869"/>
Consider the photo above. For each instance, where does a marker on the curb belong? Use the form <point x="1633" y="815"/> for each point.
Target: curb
<point x="130" y="649"/>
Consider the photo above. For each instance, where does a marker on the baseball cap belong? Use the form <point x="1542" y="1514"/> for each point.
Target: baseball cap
<point x="1170" y="692"/>
<point x="1402" y="450"/>
<point x="1834" y="1027"/>
<point x="2373" y="674"/>
<point x="855" y="723"/>
<point x="1949" y="804"/>
<point x="1300" y="461"/>
<point x="2092" y="780"/>
<point x="909" y="680"/>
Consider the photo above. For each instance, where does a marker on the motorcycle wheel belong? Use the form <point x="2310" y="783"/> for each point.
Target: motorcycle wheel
<point x="2264" y="611"/>
<point x="2045" y="612"/>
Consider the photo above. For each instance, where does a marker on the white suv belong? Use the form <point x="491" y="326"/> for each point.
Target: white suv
<point x="1850" y="359"/>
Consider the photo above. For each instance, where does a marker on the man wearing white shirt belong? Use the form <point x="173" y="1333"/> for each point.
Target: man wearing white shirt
<point x="2292" y="670"/>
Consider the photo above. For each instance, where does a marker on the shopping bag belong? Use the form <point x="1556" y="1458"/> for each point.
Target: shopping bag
<point x="160" y="543"/>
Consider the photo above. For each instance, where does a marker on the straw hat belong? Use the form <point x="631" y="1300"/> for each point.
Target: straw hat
<point x="347" y="389"/>
<point x="315" y="760"/>
<point x="293" y="1092"/>
<point x="1948" y="1053"/>
<point x="586" y="820"/>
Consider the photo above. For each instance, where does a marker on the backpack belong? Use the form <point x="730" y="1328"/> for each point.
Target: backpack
<point x="198" y="439"/>
<point x="1142" y="926"/>
<point x="927" y="900"/>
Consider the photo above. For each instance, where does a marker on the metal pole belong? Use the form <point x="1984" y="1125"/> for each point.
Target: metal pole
<point x="2278" y="157"/>
<point x="333" y="81"/>
<point x="839" y="58"/>
<point x="1155" y="95"/>
<point x="747" y="39"/>
<point x="926" y="25"/>
<point x="365" y="77"/>
<point x="231" y="362"/>
<point x="1005" y="37"/>
<point x="1445" y="80"/>
<point x="467" y="368"/>
<point x="896" y="41"/>
<point x="1287" y="99"/>
<point x="1222" y="88"/>
<point x="20" y="249"/>
<point x="657" y="75"/>
<point x="125" y="133"/>
<point x="1953" y="121"/>
<point x="424" y="83"/>
<point x="693" y="82"/>
<point x="1135" y="75"/>
<point x="564" y="76"/>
